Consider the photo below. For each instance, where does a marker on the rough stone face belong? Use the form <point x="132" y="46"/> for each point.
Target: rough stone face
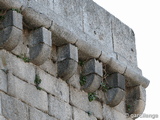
<point x="97" y="23"/>
<point x="79" y="99"/>
<point x="54" y="86"/>
<point x="60" y="109"/>
<point x="116" y="80"/>
<point x="38" y="115"/>
<point x="93" y="67"/>
<point x="67" y="52"/>
<point x="12" y="18"/>
<point x="13" y="108"/>
<point x="81" y="115"/>
<point x="114" y="96"/>
<point x="27" y="93"/>
<point x="93" y="82"/>
<point x="3" y="80"/>
<point x="2" y="118"/>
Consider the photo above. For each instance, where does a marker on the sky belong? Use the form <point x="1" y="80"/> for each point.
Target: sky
<point x="143" y="16"/>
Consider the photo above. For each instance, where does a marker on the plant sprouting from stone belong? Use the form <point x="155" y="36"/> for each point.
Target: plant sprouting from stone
<point x="37" y="81"/>
<point x="129" y="107"/>
<point x="24" y="58"/>
<point x="104" y="87"/>
<point x="81" y="63"/>
<point x="82" y="80"/>
<point x="89" y="113"/>
<point x="17" y="10"/>
<point x="92" y="96"/>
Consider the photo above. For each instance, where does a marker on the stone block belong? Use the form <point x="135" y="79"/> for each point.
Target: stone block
<point x="39" y="53"/>
<point x="41" y="35"/>
<point x="97" y="23"/>
<point x="74" y="80"/>
<point x="13" y="108"/>
<point x="124" y="40"/>
<point x="93" y="67"/>
<point x="38" y="115"/>
<point x="54" y="86"/>
<point x="49" y="67"/>
<point x="114" y="96"/>
<point x="12" y="18"/>
<point x="2" y="118"/>
<point x="79" y="99"/>
<point x="118" y="115"/>
<point x="74" y="13"/>
<point x="136" y="93"/>
<point x="67" y="52"/>
<point x="7" y="4"/>
<point x="10" y="36"/>
<point x="3" y="80"/>
<point x="34" y="19"/>
<point x="66" y="68"/>
<point x="27" y="93"/>
<point x="60" y="109"/>
<point x="93" y="82"/>
<point x="116" y="80"/>
<point x="22" y="70"/>
<point x="121" y="107"/>
<point x="108" y="113"/>
<point x="96" y="112"/>
<point x="82" y="115"/>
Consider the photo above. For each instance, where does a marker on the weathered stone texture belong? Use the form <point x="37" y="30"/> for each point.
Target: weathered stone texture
<point x="13" y="109"/>
<point x="54" y="86"/>
<point x="3" y="80"/>
<point x="59" y="109"/>
<point x="27" y="93"/>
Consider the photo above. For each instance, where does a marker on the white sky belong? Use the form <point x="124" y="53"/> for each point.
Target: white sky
<point x="143" y="16"/>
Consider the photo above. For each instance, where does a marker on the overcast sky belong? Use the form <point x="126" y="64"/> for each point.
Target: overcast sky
<point x="143" y="16"/>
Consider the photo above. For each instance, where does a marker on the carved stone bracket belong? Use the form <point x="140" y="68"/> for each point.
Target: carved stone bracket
<point x="67" y="61"/>
<point x="116" y="92"/>
<point x="135" y="100"/>
<point x="10" y="30"/>
<point x="40" y="45"/>
<point x="92" y="70"/>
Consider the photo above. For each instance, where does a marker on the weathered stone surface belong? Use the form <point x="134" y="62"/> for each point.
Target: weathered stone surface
<point x="3" y="80"/>
<point x="41" y="35"/>
<point x="115" y="66"/>
<point x="67" y="52"/>
<point x="124" y="40"/>
<point x="79" y="99"/>
<point x="49" y="67"/>
<point x="60" y="109"/>
<point x="97" y="23"/>
<point x="2" y="118"/>
<point x="116" y="80"/>
<point x="34" y="19"/>
<point x="95" y="108"/>
<point x="67" y="68"/>
<point x="74" y="80"/>
<point x="38" y="115"/>
<point x="13" y="108"/>
<point x="133" y="78"/>
<point x="8" y="4"/>
<point x="27" y="93"/>
<point x="118" y="115"/>
<point x="136" y="93"/>
<point x="10" y="37"/>
<point x="12" y="18"/>
<point x="93" y="67"/>
<point x="19" y="68"/>
<point x="93" y="82"/>
<point x="82" y="115"/>
<point x="74" y="13"/>
<point x="107" y="112"/>
<point x="114" y="96"/>
<point x="54" y="86"/>
<point x="121" y="107"/>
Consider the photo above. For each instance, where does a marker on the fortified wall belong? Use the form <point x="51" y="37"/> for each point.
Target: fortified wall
<point x="67" y="60"/>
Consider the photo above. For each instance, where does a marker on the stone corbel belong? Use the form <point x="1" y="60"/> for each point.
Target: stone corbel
<point x="67" y="61"/>
<point x="10" y="30"/>
<point x="135" y="101"/>
<point x="92" y="70"/>
<point x="40" y="44"/>
<point x="116" y="86"/>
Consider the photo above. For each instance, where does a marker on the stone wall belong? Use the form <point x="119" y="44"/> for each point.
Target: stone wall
<point x="67" y="60"/>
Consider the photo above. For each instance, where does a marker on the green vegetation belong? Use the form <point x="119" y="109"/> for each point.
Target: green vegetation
<point x="24" y="58"/>
<point x="82" y="80"/>
<point x="37" y="81"/>
<point x="92" y="96"/>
